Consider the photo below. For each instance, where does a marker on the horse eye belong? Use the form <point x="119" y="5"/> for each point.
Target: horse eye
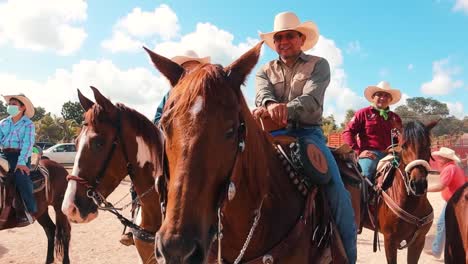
<point x="230" y="133"/>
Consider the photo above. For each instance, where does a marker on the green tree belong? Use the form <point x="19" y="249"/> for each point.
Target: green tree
<point x="349" y="114"/>
<point x="47" y="130"/>
<point x="73" y="111"/>
<point x="3" y="112"/>
<point x="465" y="124"/>
<point x="328" y="125"/>
<point x="423" y="109"/>
<point x="448" y="126"/>
<point x="39" y="113"/>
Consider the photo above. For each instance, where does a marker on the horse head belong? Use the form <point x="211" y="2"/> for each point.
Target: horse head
<point x="204" y="131"/>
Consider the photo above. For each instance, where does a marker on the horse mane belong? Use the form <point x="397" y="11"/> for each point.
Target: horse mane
<point x="417" y="136"/>
<point x="205" y="80"/>
<point x="210" y="81"/>
<point x="458" y="193"/>
<point x="149" y="132"/>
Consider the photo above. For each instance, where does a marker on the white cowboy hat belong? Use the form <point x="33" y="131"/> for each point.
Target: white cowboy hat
<point x="446" y="153"/>
<point x="190" y="55"/>
<point x="289" y="21"/>
<point x="383" y="86"/>
<point x="29" y="112"/>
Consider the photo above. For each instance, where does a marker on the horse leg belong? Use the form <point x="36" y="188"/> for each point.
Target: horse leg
<point x="62" y="235"/>
<point x="146" y="251"/>
<point x="390" y="250"/>
<point x="415" y="249"/>
<point x="49" y="228"/>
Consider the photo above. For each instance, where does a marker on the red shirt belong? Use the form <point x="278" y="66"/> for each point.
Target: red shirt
<point x="453" y="178"/>
<point x="373" y="131"/>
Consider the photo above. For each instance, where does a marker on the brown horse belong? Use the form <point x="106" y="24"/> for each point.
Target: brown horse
<point x="404" y="212"/>
<point x="456" y="227"/>
<point x="58" y="234"/>
<point x="225" y="177"/>
<point x="116" y="141"/>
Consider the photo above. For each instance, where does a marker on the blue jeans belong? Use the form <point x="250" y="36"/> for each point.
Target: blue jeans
<point x="439" y="240"/>
<point x="369" y="166"/>
<point x="338" y="197"/>
<point x="22" y="181"/>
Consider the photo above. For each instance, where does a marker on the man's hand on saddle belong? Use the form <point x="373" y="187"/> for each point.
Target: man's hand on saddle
<point x="23" y="169"/>
<point x="367" y="154"/>
<point x="278" y="112"/>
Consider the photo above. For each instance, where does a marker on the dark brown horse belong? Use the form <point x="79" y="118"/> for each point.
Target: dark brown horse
<point x="404" y="212"/>
<point x="225" y="176"/>
<point x="456" y="227"/>
<point x="116" y="141"/>
<point x="58" y="234"/>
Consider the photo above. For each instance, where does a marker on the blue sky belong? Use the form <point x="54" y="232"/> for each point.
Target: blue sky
<point x="50" y="48"/>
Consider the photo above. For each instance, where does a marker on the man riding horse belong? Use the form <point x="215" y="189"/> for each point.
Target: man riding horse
<point x="291" y="91"/>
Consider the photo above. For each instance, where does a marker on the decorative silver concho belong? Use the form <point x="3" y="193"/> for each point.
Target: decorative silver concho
<point x="231" y="191"/>
<point x="267" y="259"/>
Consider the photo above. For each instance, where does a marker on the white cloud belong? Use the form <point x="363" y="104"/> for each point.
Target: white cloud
<point x="207" y="40"/>
<point x="456" y="109"/>
<point x="121" y="42"/>
<point x="384" y="72"/>
<point x="461" y="5"/>
<point x="139" y="25"/>
<point x="353" y="47"/>
<point x="410" y="67"/>
<point x="338" y="97"/>
<point x="137" y="87"/>
<point x="43" y="25"/>
<point x="443" y="81"/>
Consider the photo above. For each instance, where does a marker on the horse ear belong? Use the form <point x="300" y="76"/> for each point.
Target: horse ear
<point x="171" y="70"/>
<point x="103" y="101"/>
<point x="432" y="124"/>
<point x="84" y="101"/>
<point x="239" y="69"/>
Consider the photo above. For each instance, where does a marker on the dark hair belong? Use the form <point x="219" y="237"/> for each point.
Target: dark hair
<point x="17" y="100"/>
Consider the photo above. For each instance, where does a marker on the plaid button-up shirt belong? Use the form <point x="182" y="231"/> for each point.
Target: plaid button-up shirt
<point x="19" y="135"/>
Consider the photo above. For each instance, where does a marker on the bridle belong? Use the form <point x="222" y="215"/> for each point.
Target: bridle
<point x="227" y="192"/>
<point x="91" y="188"/>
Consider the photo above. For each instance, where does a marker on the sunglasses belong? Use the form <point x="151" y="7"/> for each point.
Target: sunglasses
<point x="287" y="36"/>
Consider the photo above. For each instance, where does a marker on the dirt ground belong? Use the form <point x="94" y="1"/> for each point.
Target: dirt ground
<point x="98" y="241"/>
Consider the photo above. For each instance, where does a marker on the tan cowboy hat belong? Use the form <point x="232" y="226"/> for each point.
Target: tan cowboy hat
<point x="446" y="153"/>
<point x="190" y="55"/>
<point x="383" y="86"/>
<point x="289" y="21"/>
<point x="29" y="112"/>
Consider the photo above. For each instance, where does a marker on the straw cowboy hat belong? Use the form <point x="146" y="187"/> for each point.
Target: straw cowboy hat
<point x="29" y="112"/>
<point x="289" y="21"/>
<point x="446" y="153"/>
<point x="190" y="55"/>
<point x="383" y="86"/>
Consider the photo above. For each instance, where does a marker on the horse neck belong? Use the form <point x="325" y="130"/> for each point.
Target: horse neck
<point x="255" y="183"/>
<point x="144" y="157"/>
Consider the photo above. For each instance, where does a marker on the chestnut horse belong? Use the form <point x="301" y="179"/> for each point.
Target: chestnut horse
<point x="456" y="227"/>
<point x="58" y="234"/>
<point x="404" y="212"/>
<point x="116" y="141"/>
<point x="225" y="177"/>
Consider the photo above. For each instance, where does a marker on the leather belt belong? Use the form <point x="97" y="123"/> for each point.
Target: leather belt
<point x="10" y="150"/>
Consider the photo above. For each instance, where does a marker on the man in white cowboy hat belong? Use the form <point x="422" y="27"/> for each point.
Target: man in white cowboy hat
<point x="291" y="91"/>
<point x="369" y="132"/>
<point x="189" y="60"/>
<point x="451" y="178"/>
<point x="17" y="135"/>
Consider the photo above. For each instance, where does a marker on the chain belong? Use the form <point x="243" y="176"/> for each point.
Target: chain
<point x="250" y="235"/>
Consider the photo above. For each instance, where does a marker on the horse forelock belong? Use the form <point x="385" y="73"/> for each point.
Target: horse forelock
<point x="417" y="137"/>
<point x="208" y="82"/>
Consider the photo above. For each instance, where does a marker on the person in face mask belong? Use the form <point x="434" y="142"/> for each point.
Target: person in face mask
<point x="17" y="135"/>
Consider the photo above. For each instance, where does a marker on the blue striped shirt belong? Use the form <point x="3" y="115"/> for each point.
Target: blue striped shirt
<point x="19" y="135"/>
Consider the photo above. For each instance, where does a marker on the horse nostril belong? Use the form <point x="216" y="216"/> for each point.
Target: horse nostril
<point x="197" y="255"/>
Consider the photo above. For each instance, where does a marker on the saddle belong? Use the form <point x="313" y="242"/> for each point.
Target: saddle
<point x="11" y="203"/>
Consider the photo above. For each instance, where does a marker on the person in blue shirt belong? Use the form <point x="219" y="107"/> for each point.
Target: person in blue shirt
<point x="17" y="135"/>
<point x="189" y="61"/>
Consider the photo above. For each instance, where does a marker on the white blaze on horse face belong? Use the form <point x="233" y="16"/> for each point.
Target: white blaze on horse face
<point x="69" y="197"/>
<point x="197" y="107"/>
<point x="143" y="153"/>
